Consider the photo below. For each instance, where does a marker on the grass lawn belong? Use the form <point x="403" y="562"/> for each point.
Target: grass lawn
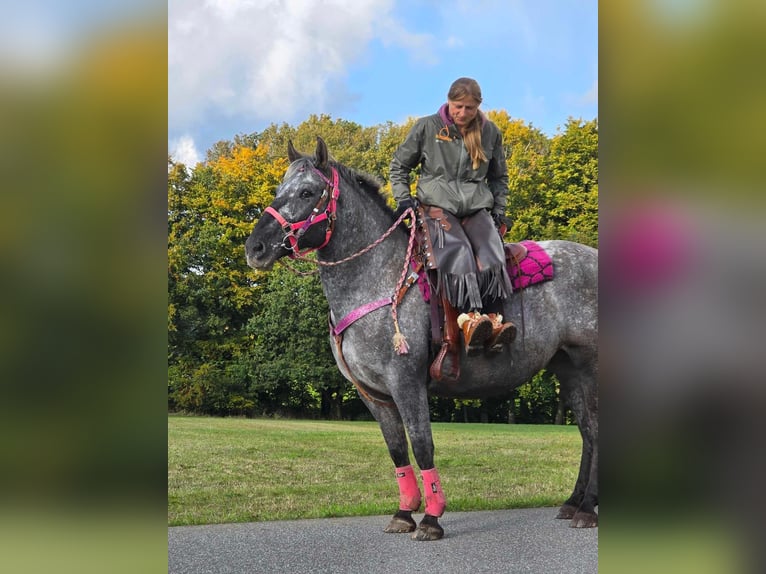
<point x="242" y="470"/>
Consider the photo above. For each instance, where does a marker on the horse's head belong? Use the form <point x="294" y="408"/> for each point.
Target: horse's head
<point x="302" y="215"/>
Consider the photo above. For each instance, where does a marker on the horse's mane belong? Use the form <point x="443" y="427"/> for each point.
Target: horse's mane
<point x="369" y="183"/>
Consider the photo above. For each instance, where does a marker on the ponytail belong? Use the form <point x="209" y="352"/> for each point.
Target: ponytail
<point x="473" y="143"/>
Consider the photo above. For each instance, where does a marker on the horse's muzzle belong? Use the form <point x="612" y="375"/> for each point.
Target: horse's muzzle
<point x="256" y="255"/>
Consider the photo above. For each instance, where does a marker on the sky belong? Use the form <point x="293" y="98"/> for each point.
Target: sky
<point x="238" y="66"/>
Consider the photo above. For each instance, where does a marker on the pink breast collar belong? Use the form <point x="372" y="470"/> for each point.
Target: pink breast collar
<point x="357" y="314"/>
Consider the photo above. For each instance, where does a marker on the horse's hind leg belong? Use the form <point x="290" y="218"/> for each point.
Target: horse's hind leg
<point x="579" y="388"/>
<point x="392" y="428"/>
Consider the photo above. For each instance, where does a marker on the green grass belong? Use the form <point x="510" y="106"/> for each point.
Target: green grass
<point x="242" y="470"/>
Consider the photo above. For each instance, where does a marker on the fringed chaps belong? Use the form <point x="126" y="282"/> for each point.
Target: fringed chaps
<point x="466" y="256"/>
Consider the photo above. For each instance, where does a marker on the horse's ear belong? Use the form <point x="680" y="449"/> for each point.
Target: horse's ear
<point x="292" y="153"/>
<point x="321" y="155"/>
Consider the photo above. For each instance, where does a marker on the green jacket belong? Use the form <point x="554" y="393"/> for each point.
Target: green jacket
<point x="447" y="179"/>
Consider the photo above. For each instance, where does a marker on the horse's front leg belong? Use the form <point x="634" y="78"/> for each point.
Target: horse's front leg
<point x="416" y="416"/>
<point x="392" y="428"/>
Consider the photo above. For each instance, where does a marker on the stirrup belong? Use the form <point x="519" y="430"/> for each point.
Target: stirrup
<point x="451" y="359"/>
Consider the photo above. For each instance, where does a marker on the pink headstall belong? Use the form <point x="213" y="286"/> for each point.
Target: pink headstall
<point x="294" y="231"/>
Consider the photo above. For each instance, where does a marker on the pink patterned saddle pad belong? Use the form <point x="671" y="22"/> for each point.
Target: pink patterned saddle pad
<point x="535" y="267"/>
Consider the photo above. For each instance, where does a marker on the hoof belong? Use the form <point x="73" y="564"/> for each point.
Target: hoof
<point x="567" y="512"/>
<point x="584" y="520"/>
<point x="401" y="522"/>
<point x="429" y="529"/>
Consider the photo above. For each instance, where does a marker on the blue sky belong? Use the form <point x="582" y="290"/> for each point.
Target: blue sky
<point x="237" y="66"/>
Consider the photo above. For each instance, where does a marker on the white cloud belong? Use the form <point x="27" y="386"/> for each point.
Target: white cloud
<point x="183" y="150"/>
<point x="269" y="60"/>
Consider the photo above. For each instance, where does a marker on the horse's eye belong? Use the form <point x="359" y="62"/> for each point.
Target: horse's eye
<point x="306" y="193"/>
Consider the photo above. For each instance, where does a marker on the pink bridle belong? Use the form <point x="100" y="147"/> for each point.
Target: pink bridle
<point x="294" y="231"/>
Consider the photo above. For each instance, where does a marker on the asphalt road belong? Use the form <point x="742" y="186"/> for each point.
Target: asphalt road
<point x="504" y="541"/>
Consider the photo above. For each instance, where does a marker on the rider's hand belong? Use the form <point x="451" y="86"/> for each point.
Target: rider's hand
<point x="502" y="223"/>
<point x="404" y="205"/>
<point x="501" y="220"/>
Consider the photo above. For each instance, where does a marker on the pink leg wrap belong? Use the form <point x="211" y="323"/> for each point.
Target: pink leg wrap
<point x="409" y="493"/>
<point x="436" y="502"/>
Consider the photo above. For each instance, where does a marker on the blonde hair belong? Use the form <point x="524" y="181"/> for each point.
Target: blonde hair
<point x="460" y="89"/>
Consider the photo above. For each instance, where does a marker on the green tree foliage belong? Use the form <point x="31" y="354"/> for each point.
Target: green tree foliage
<point x="526" y="150"/>
<point x="242" y="342"/>
<point x="291" y="364"/>
<point x="572" y="170"/>
<point x="348" y="142"/>
<point x="538" y="400"/>
<point x="553" y="183"/>
<point x="211" y="293"/>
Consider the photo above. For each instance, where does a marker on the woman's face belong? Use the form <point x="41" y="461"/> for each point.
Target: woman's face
<point x="463" y="111"/>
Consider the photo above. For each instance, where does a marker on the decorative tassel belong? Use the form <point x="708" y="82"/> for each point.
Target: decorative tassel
<point x="400" y="343"/>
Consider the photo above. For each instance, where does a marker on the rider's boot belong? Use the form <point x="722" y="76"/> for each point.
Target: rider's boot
<point x="502" y="333"/>
<point x="477" y="328"/>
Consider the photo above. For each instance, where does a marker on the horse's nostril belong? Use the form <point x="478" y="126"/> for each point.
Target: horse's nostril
<point x="255" y="247"/>
<point x="254" y="250"/>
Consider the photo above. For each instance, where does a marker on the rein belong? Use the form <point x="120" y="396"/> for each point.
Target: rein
<point x="294" y="231"/>
<point x="400" y="343"/>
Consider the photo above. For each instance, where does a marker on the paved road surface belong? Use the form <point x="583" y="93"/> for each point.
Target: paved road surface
<point x="504" y="541"/>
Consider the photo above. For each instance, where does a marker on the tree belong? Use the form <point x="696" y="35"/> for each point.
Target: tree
<point x="538" y="401"/>
<point x="244" y="342"/>
<point x="211" y="291"/>
<point x="292" y="367"/>
<point x="525" y="149"/>
<point x="572" y="172"/>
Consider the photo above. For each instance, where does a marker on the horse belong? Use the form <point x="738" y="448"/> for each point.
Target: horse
<point x="362" y="252"/>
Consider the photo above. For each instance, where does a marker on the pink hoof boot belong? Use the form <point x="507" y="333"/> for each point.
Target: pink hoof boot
<point x="409" y="493"/>
<point x="436" y="502"/>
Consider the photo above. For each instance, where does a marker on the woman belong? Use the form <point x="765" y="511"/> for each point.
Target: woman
<point x="462" y="187"/>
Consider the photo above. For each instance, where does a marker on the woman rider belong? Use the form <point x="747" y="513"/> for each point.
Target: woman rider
<point x="462" y="187"/>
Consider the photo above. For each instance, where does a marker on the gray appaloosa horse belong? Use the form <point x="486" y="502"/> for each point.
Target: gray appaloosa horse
<point x="363" y="256"/>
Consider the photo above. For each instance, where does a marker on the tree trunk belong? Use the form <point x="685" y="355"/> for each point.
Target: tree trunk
<point x="337" y="411"/>
<point x="560" y="412"/>
<point x="330" y="405"/>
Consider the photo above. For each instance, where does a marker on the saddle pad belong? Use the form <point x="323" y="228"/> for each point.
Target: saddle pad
<point x="536" y="267"/>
